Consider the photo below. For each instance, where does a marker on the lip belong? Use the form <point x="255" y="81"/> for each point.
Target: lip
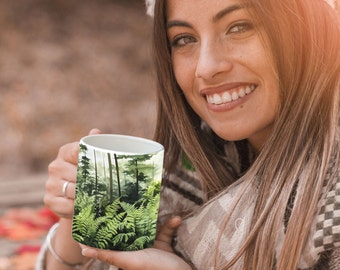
<point x="230" y="88"/>
<point x="223" y="88"/>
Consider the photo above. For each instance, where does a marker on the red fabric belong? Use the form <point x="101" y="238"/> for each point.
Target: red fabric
<point x="25" y="223"/>
<point x="22" y="226"/>
<point x="27" y="249"/>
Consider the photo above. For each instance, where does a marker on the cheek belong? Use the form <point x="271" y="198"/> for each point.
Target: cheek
<point x="184" y="71"/>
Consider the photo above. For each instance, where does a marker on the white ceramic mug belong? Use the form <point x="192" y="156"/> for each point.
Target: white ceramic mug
<point x="117" y="192"/>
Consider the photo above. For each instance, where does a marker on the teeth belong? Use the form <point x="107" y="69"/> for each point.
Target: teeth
<point x="217" y="99"/>
<point x="234" y="96"/>
<point x="242" y="92"/>
<point x="226" y="97"/>
<point x="249" y="89"/>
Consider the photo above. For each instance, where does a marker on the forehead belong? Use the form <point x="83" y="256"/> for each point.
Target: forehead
<point x="197" y="8"/>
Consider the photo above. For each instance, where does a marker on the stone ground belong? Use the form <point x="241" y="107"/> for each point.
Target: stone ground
<point x="67" y="66"/>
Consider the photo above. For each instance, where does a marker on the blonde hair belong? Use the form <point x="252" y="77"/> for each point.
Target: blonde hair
<point x="303" y="37"/>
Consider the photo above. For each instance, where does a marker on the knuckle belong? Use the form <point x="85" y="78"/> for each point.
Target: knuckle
<point x="104" y="256"/>
<point x="47" y="200"/>
<point x="63" y="149"/>
<point x="51" y="187"/>
<point x="48" y="185"/>
<point x="74" y="151"/>
<point x="69" y="152"/>
<point x="52" y="167"/>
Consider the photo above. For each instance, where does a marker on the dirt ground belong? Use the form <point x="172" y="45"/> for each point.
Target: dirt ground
<point x="67" y="66"/>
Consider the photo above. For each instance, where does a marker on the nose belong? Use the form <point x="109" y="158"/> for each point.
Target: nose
<point x="212" y="60"/>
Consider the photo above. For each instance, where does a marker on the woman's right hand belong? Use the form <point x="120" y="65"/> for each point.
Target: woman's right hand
<point x="59" y="197"/>
<point x="62" y="171"/>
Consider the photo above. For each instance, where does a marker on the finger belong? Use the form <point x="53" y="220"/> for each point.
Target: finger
<point x="61" y="170"/>
<point x="147" y="259"/>
<point x="62" y="207"/>
<point x="132" y="260"/>
<point x="69" y="152"/>
<point x="166" y="234"/>
<point x="168" y="230"/>
<point x="94" y="131"/>
<point x="55" y="199"/>
<point x="68" y="190"/>
<point x="60" y="188"/>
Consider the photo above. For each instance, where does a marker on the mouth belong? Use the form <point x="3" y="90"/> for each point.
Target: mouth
<point x="230" y="95"/>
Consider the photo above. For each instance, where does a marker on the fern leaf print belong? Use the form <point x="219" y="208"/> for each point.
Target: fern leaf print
<point x="117" y="192"/>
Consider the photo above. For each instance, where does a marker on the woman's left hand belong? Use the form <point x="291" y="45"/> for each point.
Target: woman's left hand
<point x="160" y="256"/>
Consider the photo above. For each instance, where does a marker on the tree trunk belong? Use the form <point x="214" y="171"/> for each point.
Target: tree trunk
<point x="118" y="177"/>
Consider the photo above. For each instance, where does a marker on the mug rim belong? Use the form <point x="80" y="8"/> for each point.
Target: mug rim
<point x="149" y="146"/>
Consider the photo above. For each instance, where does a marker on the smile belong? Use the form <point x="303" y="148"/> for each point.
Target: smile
<point x="229" y="96"/>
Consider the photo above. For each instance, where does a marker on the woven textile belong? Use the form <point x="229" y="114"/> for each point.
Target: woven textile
<point x="198" y="235"/>
<point x="327" y="234"/>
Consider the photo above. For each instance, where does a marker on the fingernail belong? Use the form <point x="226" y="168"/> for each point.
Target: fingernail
<point x="89" y="252"/>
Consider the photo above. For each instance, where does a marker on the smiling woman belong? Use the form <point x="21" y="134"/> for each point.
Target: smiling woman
<point x="223" y="69"/>
<point x="284" y="120"/>
<point x="248" y="113"/>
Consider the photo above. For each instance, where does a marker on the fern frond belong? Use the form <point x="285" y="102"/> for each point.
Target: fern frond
<point x="140" y="243"/>
<point x="113" y="208"/>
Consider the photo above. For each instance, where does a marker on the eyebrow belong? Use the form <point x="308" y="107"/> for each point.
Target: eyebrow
<point x="177" y="23"/>
<point x="225" y="12"/>
<point x="216" y="18"/>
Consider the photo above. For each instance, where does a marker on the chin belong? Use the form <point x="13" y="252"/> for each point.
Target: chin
<point x="231" y="137"/>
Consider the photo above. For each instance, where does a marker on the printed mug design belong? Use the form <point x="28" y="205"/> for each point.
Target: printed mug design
<point x="117" y="199"/>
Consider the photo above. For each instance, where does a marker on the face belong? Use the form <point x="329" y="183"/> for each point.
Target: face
<point x="223" y="68"/>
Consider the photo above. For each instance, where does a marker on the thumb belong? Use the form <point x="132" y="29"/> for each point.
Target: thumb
<point x="166" y="234"/>
<point x="95" y="131"/>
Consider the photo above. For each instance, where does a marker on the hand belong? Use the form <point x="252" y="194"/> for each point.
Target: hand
<point x="60" y="186"/>
<point x="59" y="197"/>
<point x="160" y="256"/>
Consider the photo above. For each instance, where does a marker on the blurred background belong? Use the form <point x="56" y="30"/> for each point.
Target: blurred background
<point x="67" y="66"/>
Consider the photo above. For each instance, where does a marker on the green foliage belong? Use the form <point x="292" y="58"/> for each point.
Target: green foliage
<point x="105" y="217"/>
<point x="187" y="164"/>
<point x="123" y="227"/>
<point x="139" y="243"/>
<point x="104" y="235"/>
<point x="81" y="202"/>
<point x="84" y="162"/>
<point x="113" y="208"/>
<point x="84" y="224"/>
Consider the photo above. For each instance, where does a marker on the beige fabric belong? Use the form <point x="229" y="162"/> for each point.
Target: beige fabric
<point x="199" y="233"/>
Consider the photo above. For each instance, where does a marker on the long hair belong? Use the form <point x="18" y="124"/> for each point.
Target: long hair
<point x="178" y="127"/>
<point x="303" y="37"/>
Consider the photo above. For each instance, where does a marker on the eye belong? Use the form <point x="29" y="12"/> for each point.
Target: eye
<point x="182" y="40"/>
<point x="240" y="27"/>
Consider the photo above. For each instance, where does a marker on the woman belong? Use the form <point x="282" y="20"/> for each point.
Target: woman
<point x="249" y="116"/>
